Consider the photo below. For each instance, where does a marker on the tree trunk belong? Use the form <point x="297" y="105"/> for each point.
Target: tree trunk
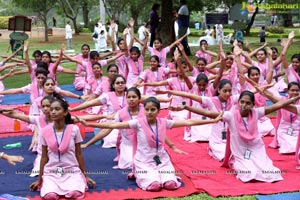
<point x="166" y="27"/>
<point x="134" y="14"/>
<point x="287" y="20"/>
<point x="44" y="20"/>
<point x="75" y="26"/>
<point x="248" y="28"/>
<point x="85" y="14"/>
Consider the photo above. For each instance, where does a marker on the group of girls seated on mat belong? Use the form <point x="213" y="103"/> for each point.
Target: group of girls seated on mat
<point x="216" y="104"/>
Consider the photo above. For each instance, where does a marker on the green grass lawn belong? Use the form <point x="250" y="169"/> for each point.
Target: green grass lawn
<point x="55" y="42"/>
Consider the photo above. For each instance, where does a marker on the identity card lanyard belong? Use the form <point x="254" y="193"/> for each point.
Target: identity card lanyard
<point x="58" y="143"/>
<point x="247" y="153"/>
<point x="290" y="129"/>
<point x="224" y="125"/>
<point x="131" y="114"/>
<point x="156" y="157"/>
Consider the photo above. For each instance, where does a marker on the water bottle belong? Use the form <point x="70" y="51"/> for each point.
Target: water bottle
<point x="17" y="125"/>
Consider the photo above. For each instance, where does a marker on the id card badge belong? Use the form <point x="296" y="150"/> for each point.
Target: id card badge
<point x="157" y="160"/>
<point x="247" y="154"/>
<point x="59" y="171"/>
<point x="290" y="131"/>
<point x="224" y="135"/>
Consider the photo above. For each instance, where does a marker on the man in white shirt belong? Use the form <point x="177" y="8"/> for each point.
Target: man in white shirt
<point x="69" y="35"/>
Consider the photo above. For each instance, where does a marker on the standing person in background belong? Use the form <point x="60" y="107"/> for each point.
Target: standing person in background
<point x="154" y="22"/>
<point x="183" y="25"/>
<point x="262" y="34"/>
<point x="69" y="35"/>
<point x="54" y="22"/>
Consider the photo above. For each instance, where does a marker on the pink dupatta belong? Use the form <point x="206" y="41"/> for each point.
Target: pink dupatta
<point x="50" y="138"/>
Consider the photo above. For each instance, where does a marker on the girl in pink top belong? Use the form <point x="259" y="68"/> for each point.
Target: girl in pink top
<point x="203" y="52"/>
<point x="265" y="126"/>
<point x="80" y="80"/>
<point x="223" y="101"/>
<point x="133" y="111"/>
<point x="245" y="149"/>
<point x="135" y="61"/>
<point x="180" y="83"/>
<point x="153" y="168"/>
<point x="112" y="70"/>
<point x="160" y="51"/>
<point x="111" y="102"/>
<point x="62" y="171"/>
<point x="278" y="73"/>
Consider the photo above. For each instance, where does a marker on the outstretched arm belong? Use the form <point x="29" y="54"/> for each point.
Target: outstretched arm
<point x="194" y="122"/>
<point x="87" y="104"/>
<point x="12" y="55"/>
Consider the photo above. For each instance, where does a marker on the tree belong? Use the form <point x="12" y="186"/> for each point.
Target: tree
<point x="71" y="9"/>
<point x="166" y="29"/>
<point x="40" y="7"/>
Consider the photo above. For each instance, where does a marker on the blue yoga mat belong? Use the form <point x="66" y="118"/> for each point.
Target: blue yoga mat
<point x="15" y="180"/>
<point x="283" y="196"/>
<point x="25" y="98"/>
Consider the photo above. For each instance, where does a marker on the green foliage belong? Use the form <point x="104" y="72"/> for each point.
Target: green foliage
<point x="84" y="30"/>
<point x="275" y="29"/>
<point x="4" y="22"/>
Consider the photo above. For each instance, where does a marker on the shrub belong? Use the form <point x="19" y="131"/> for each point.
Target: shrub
<point x="274" y="29"/>
<point x="4" y="22"/>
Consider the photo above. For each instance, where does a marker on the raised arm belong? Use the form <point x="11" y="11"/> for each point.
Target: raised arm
<point x="27" y="60"/>
<point x="177" y="41"/>
<point x="115" y="57"/>
<point x="269" y="76"/>
<point x="73" y="59"/>
<point x="60" y="57"/>
<point x="103" y="133"/>
<point x="286" y="46"/>
<point x="145" y="45"/>
<point x="252" y="53"/>
<point x="12" y="55"/>
<point x="185" y="57"/>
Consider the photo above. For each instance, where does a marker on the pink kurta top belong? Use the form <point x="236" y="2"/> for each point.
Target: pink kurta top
<point x="162" y="54"/>
<point x="250" y="160"/>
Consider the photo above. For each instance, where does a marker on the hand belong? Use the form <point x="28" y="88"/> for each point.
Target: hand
<point x="269" y="51"/>
<point x="261" y="89"/>
<point x="131" y="22"/>
<point x="85" y="97"/>
<point x="34" y="186"/>
<point x="83" y="146"/>
<point x="237" y="50"/>
<point x="90" y="182"/>
<point x="180" y="47"/>
<point x="13" y="159"/>
<point x="33" y="143"/>
<point x="219" y="117"/>
<point x="291" y="35"/>
<point x="179" y="151"/>
<point x="26" y="43"/>
<point x="83" y="122"/>
<point x="176" y="54"/>
<point x="235" y="43"/>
